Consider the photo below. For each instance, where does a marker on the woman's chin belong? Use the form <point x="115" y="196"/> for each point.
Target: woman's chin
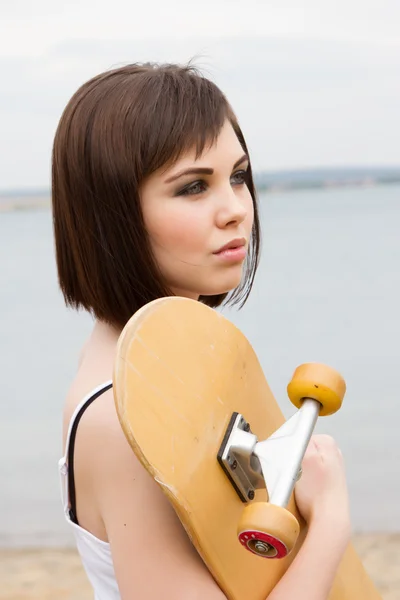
<point x="215" y="284"/>
<point x="225" y="286"/>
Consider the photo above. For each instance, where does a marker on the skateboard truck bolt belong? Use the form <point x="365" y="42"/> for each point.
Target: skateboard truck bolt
<point x="262" y="547"/>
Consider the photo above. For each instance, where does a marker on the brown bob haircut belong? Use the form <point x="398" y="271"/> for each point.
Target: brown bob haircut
<point x="117" y="129"/>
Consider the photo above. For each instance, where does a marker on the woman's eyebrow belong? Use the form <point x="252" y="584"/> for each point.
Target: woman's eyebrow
<point x="202" y="170"/>
<point x="190" y="171"/>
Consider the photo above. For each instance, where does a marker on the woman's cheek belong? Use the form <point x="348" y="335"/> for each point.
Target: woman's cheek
<point x="183" y="229"/>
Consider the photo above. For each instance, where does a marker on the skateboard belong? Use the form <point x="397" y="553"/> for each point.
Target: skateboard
<point x="196" y="409"/>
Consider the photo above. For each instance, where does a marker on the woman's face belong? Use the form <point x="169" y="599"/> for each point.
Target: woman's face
<point x="195" y="208"/>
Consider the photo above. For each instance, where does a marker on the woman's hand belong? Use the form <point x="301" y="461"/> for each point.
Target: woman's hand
<point x="321" y="493"/>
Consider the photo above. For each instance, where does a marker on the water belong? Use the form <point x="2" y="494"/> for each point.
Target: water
<point x="328" y="290"/>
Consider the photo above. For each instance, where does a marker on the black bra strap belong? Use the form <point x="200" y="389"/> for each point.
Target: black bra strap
<point x="71" y="482"/>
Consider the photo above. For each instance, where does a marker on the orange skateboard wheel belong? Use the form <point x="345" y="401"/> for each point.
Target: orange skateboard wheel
<point x="317" y="382"/>
<point x="268" y="530"/>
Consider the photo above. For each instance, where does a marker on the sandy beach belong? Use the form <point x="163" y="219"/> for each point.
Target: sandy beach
<point x="47" y="574"/>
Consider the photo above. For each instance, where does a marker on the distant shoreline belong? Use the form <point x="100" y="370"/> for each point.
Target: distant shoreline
<point x="10" y="202"/>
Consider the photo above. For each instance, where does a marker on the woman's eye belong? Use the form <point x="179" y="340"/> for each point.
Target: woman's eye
<point x="198" y="187"/>
<point x="239" y="177"/>
<point x="194" y="188"/>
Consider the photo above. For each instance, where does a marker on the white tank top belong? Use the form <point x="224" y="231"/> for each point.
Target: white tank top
<point x="95" y="554"/>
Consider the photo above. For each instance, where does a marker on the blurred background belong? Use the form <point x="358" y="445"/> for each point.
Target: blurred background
<point x="316" y="87"/>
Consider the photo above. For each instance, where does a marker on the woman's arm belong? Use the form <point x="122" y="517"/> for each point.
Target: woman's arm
<point x="312" y="572"/>
<point x="152" y="554"/>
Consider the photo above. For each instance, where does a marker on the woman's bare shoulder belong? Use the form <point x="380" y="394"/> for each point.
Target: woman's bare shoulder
<point x="94" y="367"/>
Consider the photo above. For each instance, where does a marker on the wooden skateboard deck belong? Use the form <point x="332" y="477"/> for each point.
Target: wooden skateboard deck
<point x="181" y="370"/>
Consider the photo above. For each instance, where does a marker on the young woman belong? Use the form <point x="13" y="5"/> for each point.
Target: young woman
<point x="151" y="180"/>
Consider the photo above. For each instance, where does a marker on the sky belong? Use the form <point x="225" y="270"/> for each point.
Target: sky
<point x="313" y="83"/>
